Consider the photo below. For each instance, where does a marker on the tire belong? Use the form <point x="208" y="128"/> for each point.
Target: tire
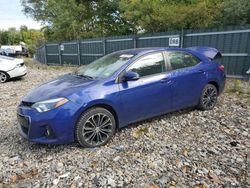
<point x="4" y="77"/>
<point x="95" y="127"/>
<point x="208" y="97"/>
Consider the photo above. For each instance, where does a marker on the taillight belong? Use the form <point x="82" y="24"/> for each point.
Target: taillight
<point x="222" y="68"/>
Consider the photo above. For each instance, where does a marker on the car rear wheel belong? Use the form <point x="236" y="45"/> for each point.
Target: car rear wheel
<point x="4" y="77"/>
<point x="208" y="97"/>
<point x="95" y="127"/>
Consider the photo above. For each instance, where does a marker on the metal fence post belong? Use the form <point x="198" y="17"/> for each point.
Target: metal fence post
<point x="135" y="41"/>
<point x="59" y="54"/>
<point x="104" y="46"/>
<point x="79" y="52"/>
<point x="182" y="37"/>
<point x="248" y="57"/>
<point x="45" y="52"/>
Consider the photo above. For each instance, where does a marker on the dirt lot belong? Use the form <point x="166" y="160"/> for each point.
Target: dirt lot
<point x="188" y="148"/>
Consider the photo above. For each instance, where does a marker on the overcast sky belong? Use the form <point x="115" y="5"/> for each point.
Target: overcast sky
<point x="11" y="15"/>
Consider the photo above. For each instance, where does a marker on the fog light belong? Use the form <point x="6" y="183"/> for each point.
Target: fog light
<point x="47" y="132"/>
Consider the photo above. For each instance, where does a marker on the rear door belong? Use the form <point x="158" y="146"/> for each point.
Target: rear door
<point x="150" y="95"/>
<point x="188" y="77"/>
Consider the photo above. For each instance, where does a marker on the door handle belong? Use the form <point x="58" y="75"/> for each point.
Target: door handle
<point x="164" y="80"/>
<point x="201" y="71"/>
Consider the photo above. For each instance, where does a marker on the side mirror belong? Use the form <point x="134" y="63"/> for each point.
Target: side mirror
<point x="130" y="76"/>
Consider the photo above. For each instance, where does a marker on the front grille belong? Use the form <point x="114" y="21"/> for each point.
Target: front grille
<point x="26" y="104"/>
<point x="24" y="122"/>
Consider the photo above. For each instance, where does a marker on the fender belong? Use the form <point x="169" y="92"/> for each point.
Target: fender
<point x="97" y="102"/>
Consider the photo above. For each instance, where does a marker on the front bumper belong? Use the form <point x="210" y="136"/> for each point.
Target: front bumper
<point x="18" y="72"/>
<point x="53" y="127"/>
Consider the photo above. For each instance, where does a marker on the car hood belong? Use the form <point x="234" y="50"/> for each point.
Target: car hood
<point x="62" y="86"/>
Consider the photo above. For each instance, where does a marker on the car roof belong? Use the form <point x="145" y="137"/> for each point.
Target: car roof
<point x="142" y="51"/>
<point x="137" y="51"/>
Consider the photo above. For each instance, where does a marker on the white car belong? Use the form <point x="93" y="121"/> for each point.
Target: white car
<point x="11" y="68"/>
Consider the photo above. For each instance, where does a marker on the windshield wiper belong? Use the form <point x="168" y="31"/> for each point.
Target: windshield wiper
<point x="84" y="76"/>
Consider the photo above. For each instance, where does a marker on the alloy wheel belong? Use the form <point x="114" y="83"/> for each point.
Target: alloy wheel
<point x="97" y="129"/>
<point x="209" y="97"/>
<point x="3" y="77"/>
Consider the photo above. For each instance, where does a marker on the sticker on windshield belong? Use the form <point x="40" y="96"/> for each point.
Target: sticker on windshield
<point x="126" y="55"/>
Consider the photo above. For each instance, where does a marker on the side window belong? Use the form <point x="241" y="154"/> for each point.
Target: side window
<point x="149" y="64"/>
<point x="180" y="59"/>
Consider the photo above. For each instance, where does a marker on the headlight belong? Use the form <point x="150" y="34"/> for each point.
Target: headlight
<point x="47" y="105"/>
<point x="19" y="65"/>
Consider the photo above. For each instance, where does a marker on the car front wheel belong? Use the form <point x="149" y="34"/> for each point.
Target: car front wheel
<point x="4" y="77"/>
<point x="95" y="127"/>
<point x="208" y="97"/>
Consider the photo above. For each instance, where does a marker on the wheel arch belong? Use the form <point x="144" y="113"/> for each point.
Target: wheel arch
<point x="104" y="105"/>
<point x="109" y="108"/>
<point x="216" y="84"/>
<point x="5" y="72"/>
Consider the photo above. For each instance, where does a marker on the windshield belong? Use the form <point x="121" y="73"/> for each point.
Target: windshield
<point x="105" y="66"/>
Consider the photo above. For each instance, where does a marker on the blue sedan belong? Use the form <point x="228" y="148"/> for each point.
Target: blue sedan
<point x="119" y="89"/>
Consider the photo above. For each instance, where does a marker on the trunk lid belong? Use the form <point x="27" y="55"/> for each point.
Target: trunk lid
<point x="208" y="52"/>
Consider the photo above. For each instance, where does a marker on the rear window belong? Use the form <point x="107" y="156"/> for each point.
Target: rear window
<point x="179" y="59"/>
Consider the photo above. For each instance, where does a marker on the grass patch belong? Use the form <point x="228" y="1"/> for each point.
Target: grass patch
<point x="31" y="63"/>
<point x="237" y="86"/>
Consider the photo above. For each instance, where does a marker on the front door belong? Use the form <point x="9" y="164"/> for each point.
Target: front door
<point x="151" y="94"/>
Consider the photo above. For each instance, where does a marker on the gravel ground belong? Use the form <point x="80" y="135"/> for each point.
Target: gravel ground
<point x="188" y="148"/>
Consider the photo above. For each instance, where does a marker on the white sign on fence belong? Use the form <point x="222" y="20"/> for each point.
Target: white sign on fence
<point x="62" y="47"/>
<point x="174" y="41"/>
